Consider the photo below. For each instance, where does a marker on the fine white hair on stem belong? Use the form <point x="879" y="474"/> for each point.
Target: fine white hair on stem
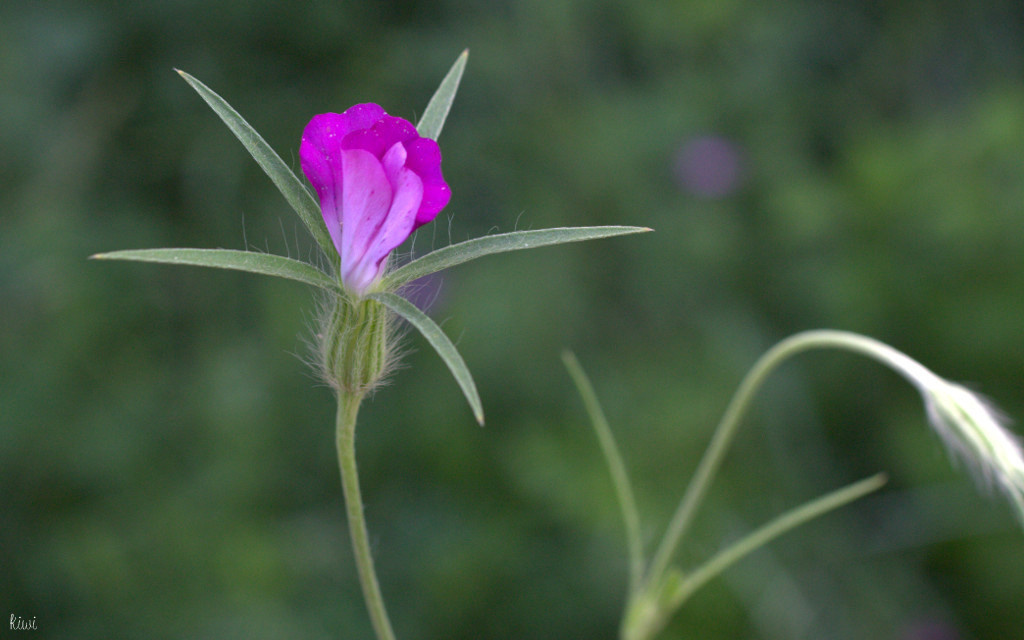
<point x="975" y="432"/>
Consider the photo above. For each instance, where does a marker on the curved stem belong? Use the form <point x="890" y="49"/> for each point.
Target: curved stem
<point x="348" y="409"/>
<point x="651" y="616"/>
<point x="737" y="408"/>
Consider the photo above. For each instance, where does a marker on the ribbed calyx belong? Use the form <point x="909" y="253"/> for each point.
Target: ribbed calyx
<point x="354" y="344"/>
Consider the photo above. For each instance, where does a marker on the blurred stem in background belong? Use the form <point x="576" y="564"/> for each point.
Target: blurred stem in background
<point x="969" y="426"/>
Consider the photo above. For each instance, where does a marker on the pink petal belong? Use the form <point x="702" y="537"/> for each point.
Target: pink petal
<point x="357" y="117"/>
<point x="425" y="160"/>
<point x="320" y="158"/>
<point x="366" y="201"/>
<point x="381" y="135"/>
<point x="407" y="189"/>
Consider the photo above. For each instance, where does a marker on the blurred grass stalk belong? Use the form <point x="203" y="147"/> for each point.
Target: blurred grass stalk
<point x="971" y="428"/>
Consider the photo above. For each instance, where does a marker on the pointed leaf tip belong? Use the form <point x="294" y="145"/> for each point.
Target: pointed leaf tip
<point x="440" y="104"/>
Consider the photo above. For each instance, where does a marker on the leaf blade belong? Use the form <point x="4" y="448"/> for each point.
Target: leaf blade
<point x="293" y="190"/>
<point x="437" y="339"/>
<point x="459" y="253"/>
<point x="249" y="261"/>
<point x="779" y="525"/>
<point x="663" y="596"/>
<point x="440" y="104"/>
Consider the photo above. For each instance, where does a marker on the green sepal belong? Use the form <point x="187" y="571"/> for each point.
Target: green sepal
<point x="478" y="247"/>
<point x="293" y="189"/>
<point x="354" y="336"/>
<point x="441" y="344"/>
<point x="263" y="263"/>
<point x="440" y="104"/>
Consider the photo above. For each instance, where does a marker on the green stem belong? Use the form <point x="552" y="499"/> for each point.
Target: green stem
<point x="348" y="409"/>
<point x="616" y="467"/>
<point x="726" y="429"/>
<point x="650" y="614"/>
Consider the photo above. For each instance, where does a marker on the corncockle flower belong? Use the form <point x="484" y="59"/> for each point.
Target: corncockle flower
<point x="377" y="181"/>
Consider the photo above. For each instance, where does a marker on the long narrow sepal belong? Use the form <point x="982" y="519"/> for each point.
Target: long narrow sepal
<point x="456" y="254"/>
<point x="440" y="104"/>
<point x="441" y="344"/>
<point x="293" y="190"/>
<point x="263" y="263"/>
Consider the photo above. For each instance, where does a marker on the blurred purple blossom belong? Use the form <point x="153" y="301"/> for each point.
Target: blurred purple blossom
<point x="710" y="166"/>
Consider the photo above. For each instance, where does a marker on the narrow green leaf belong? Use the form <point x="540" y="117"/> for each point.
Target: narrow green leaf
<point x="768" y="532"/>
<point x="649" y="612"/>
<point x="262" y="263"/>
<point x="441" y="344"/>
<point x="293" y="190"/>
<point x="616" y="468"/>
<point x="478" y="247"/>
<point x="431" y="123"/>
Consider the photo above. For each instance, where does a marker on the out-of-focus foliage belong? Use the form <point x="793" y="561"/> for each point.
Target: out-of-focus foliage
<point x="166" y="458"/>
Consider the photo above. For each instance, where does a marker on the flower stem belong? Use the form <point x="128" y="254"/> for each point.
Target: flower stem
<point x="348" y="409"/>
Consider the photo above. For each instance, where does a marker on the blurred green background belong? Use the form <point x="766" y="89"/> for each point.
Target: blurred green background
<point x="166" y="458"/>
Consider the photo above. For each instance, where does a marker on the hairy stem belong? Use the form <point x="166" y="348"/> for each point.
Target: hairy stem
<point x="348" y="409"/>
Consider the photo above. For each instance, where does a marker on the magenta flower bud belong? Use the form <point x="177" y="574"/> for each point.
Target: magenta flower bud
<point x="377" y="181"/>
